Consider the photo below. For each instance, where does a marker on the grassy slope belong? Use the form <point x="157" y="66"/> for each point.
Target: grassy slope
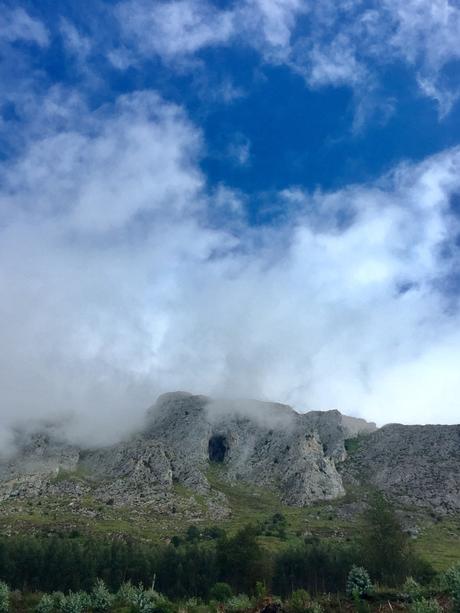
<point x="439" y="541"/>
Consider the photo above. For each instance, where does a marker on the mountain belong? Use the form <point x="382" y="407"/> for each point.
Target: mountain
<point x="188" y="439"/>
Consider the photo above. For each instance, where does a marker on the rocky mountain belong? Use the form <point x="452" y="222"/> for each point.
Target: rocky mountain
<point x="303" y="458"/>
<point x="417" y="465"/>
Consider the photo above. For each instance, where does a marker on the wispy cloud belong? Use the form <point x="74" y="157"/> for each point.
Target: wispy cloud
<point x="330" y="43"/>
<point x="17" y="25"/>
<point x="174" y="29"/>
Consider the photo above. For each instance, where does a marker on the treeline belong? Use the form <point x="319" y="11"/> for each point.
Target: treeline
<point x="191" y="566"/>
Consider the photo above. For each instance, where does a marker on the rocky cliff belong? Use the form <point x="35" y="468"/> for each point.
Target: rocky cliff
<point x="417" y="465"/>
<point x="301" y="457"/>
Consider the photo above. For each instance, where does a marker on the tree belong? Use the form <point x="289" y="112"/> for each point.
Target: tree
<point x="241" y="560"/>
<point x="358" y="582"/>
<point x="221" y="592"/>
<point x="386" y="549"/>
<point x="4" y="597"/>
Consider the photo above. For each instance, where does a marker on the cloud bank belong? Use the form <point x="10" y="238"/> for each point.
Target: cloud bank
<point x="120" y="281"/>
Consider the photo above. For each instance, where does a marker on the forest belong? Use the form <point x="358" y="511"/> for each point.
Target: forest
<point x="212" y="570"/>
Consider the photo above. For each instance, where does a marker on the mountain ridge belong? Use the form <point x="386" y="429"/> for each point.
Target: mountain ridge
<point x="300" y="457"/>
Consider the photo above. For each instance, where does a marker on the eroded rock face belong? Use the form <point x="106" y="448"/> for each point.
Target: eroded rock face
<point x="416" y="465"/>
<point x="264" y="444"/>
<point x="261" y="444"/>
<point x="301" y="457"/>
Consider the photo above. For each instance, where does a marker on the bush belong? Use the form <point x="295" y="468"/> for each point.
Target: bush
<point x="126" y="593"/>
<point x="58" y="599"/>
<point x="450" y="580"/>
<point x="412" y="590"/>
<point x="221" y="592"/>
<point x="192" y="534"/>
<point x="359" y="582"/>
<point x="239" y="603"/>
<point x="162" y="604"/>
<point x="425" y="606"/>
<point x="144" y="601"/>
<point x="4" y="597"/>
<point x="46" y="604"/>
<point x="299" y="601"/>
<point x="101" y="598"/>
<point x="75" y="602"/>
<point x="450" y="583"/>
<point x="260" y="591"/>
<point x="140" y="600"/>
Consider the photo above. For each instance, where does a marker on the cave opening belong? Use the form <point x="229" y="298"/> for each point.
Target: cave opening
<point x="218" y="448"/>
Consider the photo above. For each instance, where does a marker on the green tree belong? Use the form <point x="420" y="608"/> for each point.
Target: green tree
<point x="4" y="597"/>
<point x="241" y="560"/>
<point x="359" y="583"/>
<point x="221" y="592"/>
<point x="386" y="548"/>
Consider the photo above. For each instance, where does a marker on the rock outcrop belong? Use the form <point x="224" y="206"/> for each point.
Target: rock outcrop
<point x="301" y="457"/>
<point x="415" y="465"/>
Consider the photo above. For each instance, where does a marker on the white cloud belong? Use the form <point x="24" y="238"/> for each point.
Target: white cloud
<point x="75" y="42"/>
<point x="329" y="43"/>
<point x="118" y="283"/>
<point x="268" y="24"/>
<point x="16" y="24"/>
<point x="176" y="28"/>
<point x="239" y="150"/>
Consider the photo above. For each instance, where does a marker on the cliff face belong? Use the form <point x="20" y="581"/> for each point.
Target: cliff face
<point x="262" y="444"/>
<point x="417" y="465"/>
<point x="302" y="457"/>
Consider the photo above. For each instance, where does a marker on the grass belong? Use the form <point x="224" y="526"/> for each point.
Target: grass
<point x="439" y="540"/>
<point x="251" y="504"/>
<point x="439" y="543"/>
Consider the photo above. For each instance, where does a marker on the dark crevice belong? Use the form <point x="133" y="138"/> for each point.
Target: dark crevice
<point x="218" y="448"/>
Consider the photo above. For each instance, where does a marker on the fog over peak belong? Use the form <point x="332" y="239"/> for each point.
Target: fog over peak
<point x="118" y="284"/>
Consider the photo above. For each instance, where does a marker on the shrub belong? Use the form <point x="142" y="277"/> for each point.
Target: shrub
<point x="126" y="593"/>
<point x="195" y="605"/>
<point x="140" y="600"/>
<point x="412" y="590"/>
<point x="144" y="601"/>
<point x="221" y="592"/>
<point x="299" y="601"/>
<point x="45" y="605"/>
<point x="101" y="598"/>
<point x="193" y="534"/>
<point x="75" y="602"/>
<point x="238" y="603"/>
<point x="162" y="604"/>
<point x="359" y="582"/>
<point x="58" y="599"/>
<point x="425" y="606"/>
<point x="450" y="582"/>
<point x="260" y="591"/>
<point x="4" y="597"/>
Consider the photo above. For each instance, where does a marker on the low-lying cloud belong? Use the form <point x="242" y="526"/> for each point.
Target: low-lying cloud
<point x="119" y="282"/>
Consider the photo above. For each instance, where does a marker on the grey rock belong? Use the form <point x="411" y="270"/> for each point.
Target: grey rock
<point x="300" y="457"/>
<point x="416" y="465"/>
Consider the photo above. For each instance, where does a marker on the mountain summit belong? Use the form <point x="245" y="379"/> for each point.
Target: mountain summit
<point x="302" y="458"/>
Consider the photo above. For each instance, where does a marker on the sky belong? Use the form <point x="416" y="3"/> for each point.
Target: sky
<point x="257" y="198"/>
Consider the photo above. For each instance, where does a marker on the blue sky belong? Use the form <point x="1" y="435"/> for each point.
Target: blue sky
<point x="257" y="198"/>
